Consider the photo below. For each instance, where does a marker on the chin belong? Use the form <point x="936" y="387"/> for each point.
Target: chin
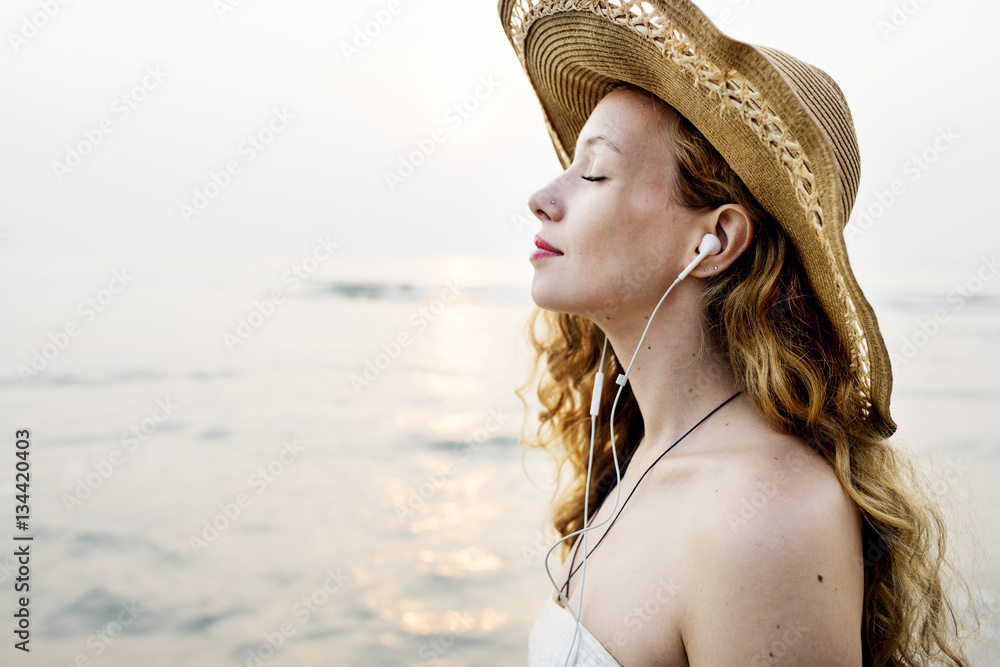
<point x="557" y="296"/>
<point x="542" y="296"/>
<point x="548" y="295"/>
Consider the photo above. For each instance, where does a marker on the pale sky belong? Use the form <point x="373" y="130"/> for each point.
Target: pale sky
<point x="337" y="124"/>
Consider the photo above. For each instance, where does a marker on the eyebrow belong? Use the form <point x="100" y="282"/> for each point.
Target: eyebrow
<point x="600" y="138"/>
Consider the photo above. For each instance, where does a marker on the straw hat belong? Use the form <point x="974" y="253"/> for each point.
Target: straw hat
<point x="783" y="125"/>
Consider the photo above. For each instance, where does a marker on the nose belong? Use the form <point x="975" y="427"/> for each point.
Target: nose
<point x="544" y="204"/>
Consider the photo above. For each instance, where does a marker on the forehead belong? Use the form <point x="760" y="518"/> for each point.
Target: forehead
<point x="634" y="123"/>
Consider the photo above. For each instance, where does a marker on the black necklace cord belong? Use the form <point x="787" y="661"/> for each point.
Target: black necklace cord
<point x="577" y="548"/>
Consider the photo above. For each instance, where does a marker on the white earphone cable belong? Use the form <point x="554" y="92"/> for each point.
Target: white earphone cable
<point x="710" y="245"/>
<point x="598" y="386"/>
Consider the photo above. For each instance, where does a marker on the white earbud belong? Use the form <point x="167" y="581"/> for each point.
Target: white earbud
<point x="710" y="245"/>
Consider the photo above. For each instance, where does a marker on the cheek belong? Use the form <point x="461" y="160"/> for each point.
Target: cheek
<point x="638" y="245"/>
<point x="638" y="282"/>
<point x="640" y="270"/>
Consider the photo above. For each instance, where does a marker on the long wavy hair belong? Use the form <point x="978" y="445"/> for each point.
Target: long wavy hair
<point x="762" y="318"/>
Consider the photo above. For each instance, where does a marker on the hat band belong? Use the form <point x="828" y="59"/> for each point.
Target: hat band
<point x="734" y="92"/>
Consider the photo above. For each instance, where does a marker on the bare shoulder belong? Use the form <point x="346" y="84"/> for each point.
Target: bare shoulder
<point x="775" y="563"/>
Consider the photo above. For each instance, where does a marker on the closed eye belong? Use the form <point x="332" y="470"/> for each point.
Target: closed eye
<point x="593" y="179"/>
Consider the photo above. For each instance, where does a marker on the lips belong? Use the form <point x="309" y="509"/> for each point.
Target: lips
<point x="542" y="245"/>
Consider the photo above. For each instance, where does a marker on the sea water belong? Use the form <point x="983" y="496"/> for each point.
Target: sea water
<point x="237" y="462"/>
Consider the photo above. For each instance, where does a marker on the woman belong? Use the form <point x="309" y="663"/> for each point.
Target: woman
<point x="768" y="520"/>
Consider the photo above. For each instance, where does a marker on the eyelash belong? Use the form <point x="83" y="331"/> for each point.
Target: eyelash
<point x="594" y="179"/>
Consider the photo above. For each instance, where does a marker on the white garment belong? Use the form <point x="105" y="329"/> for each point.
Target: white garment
<point x="552" y="636"/>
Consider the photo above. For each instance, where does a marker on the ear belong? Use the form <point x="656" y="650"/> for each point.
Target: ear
<point x="732" y="224"/>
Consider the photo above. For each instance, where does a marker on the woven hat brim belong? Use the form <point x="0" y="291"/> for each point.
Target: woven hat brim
<point x="780" y="123"/>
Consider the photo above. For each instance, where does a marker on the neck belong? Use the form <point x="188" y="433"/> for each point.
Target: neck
<point x="675" y="381"/>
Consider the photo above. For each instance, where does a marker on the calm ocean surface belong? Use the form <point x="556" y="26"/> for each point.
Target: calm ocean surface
<point x="202" y="491"/>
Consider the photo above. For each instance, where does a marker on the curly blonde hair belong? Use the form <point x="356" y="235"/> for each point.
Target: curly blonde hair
<point x="764" y="321"/>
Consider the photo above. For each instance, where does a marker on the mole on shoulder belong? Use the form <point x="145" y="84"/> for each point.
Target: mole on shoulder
<point x="820" y="578"/>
